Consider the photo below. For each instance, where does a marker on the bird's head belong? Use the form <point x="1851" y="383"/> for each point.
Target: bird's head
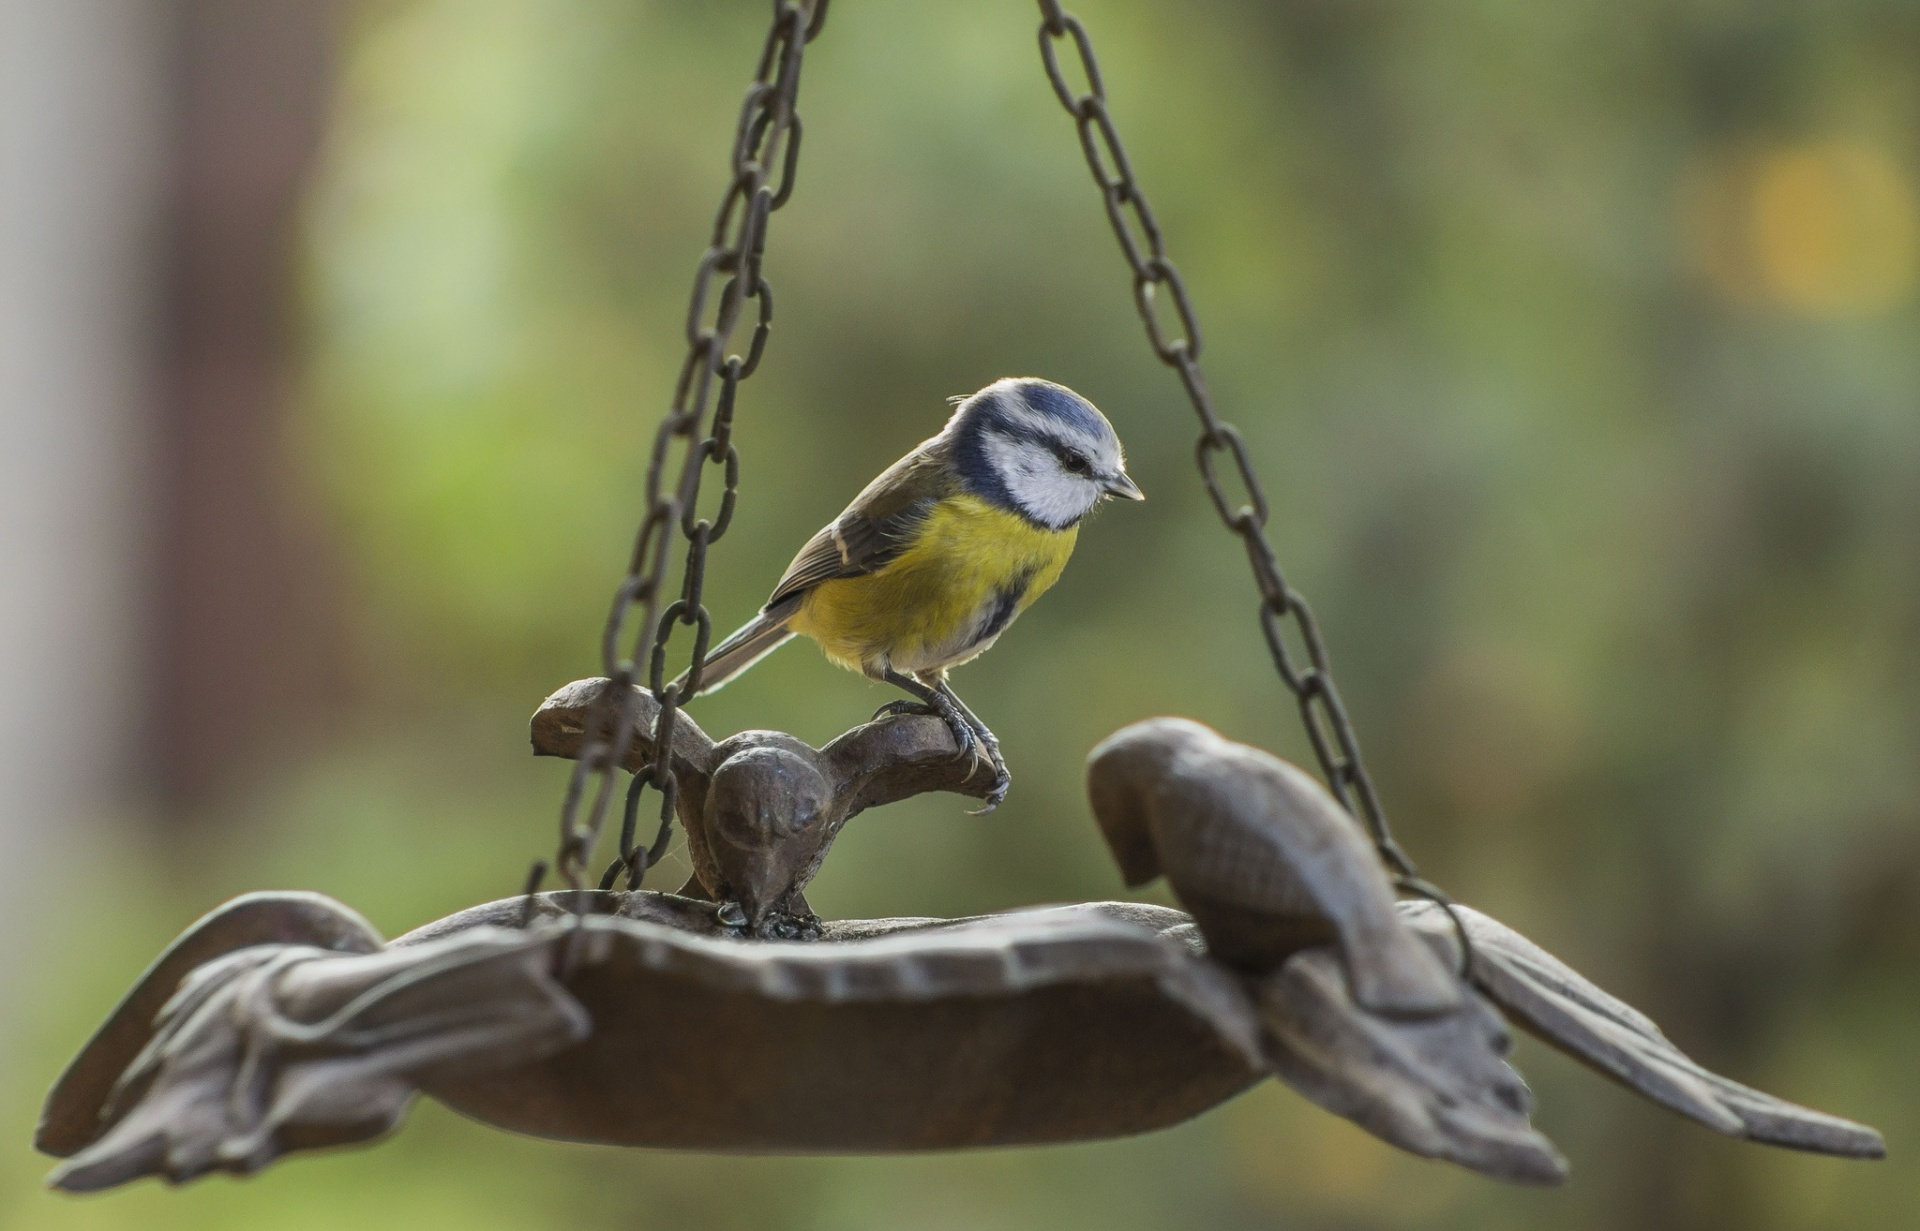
<point x="1040" y="450"/>
<point x="766" y="818"/>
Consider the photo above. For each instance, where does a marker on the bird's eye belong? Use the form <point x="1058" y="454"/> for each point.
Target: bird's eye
<point x="1076" y="463"/>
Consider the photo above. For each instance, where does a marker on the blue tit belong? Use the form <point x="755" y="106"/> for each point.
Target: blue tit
<point x="931" y="563"/>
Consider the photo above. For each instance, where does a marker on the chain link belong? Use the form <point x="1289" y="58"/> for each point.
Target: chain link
<point x="768" y="134"/>
<point x="766" y="141"/>
<point x="1305" y="670"/>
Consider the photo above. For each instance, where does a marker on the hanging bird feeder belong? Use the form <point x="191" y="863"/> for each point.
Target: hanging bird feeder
<point x="1309" y="951"/>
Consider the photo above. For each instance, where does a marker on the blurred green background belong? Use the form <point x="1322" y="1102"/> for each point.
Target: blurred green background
<point x="1577" y="344"/>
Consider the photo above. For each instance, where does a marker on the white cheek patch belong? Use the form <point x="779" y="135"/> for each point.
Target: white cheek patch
<point x="1034" y="479"/>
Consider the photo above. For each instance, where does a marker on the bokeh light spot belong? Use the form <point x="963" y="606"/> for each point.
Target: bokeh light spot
<point x="1828" y="228"/>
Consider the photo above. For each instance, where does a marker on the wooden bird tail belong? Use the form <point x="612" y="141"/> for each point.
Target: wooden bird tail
<point x="762" y="635"/>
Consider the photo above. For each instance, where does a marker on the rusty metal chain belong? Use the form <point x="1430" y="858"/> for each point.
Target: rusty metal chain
<point x="1305" y="671"/>
<point x="763" y="161"/>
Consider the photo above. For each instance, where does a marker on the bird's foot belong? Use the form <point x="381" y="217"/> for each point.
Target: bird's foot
<point x="778" y="925"/>
<point x="964" y="735"/>
<point x="939" y="701"/>
<point x="903" y="706"/>
<point x="1002" y="780"/>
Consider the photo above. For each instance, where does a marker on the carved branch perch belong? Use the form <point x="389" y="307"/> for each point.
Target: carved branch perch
<point x="761" y="809"/>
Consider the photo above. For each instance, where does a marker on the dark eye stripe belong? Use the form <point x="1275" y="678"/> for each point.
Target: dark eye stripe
<point x="1070" y="458"/>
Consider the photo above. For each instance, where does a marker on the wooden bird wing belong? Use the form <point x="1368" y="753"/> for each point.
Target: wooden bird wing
<point x="875" y="528"/>
<point x="1570" y="1012"/>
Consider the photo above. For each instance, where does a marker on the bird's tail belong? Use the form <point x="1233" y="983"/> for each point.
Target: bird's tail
<point x="762" y="636"/>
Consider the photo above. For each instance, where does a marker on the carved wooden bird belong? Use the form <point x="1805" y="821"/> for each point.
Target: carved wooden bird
<point x="1262" y="857"/>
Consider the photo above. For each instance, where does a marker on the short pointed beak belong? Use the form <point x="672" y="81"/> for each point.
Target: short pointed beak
<point x="1118" y="484"/>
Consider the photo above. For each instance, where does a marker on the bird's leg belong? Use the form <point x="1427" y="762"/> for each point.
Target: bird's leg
<point x="990" y="743"/>
<point x="943" y="705"/>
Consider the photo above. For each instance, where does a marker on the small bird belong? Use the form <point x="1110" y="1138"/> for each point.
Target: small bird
<point x="931" y="563"/>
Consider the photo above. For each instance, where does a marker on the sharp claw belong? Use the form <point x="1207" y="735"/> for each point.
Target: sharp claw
<point x="995" y="797"/>
<point x="1002" y="780"/>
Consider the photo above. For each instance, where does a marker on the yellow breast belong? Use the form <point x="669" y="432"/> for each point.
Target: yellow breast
<point x="969" y="571"/>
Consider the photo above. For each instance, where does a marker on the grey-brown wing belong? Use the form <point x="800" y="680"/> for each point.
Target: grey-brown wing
<point x="874" y="529"/>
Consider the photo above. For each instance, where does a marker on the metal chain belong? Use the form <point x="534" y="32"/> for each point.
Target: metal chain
<point x="1310" y="680"/>
<point x="766" y="141"/>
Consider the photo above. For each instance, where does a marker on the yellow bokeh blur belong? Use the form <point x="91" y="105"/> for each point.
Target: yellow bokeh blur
<point x="1826" y="228"/>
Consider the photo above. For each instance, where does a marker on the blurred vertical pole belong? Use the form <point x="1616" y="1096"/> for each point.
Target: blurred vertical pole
<point x="244" y="638"/>
<point x="160" y="616"/>
<point x="82" y="134"/>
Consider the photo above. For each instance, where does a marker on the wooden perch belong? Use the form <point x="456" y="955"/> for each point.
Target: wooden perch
<point x="761" y="809"/>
